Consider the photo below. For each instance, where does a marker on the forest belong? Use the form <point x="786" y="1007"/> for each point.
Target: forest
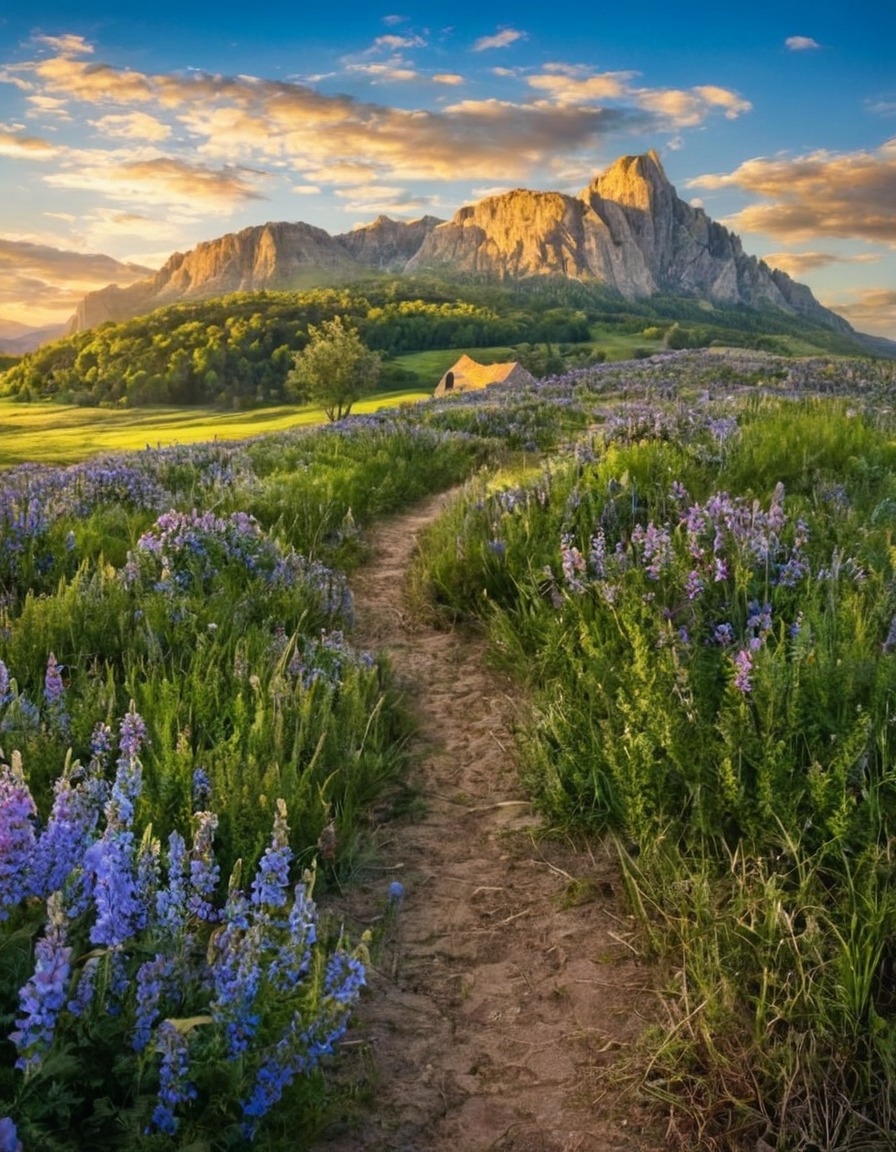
<point x="236" y="351"/>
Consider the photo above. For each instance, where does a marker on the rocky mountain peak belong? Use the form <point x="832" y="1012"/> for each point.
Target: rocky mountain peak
<point x="627" y="229"/>
<point x="634" y="182"/>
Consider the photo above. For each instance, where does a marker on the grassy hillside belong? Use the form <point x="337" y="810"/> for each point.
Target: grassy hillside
<point x="236" y="351"/>
<point x="65" y="434"/>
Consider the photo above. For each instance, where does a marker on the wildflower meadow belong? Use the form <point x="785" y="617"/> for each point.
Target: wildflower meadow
<point x="690" y="559"/>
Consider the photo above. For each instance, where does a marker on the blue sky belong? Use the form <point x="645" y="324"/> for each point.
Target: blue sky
<point x="135" y="135"/>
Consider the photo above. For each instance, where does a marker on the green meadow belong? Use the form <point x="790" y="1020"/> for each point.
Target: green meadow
<point x="64" y="434"/>
<point x="687" y="564"/>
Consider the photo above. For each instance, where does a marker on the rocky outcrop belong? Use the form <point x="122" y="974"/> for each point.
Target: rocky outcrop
<point x="387" y="245"/>
<point x="628" y="230"/>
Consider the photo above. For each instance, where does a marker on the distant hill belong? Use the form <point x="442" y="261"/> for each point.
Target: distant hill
<point x="627" y="231"/>
<point x="16" y="339"/>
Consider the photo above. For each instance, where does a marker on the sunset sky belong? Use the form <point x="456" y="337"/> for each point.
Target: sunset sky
<point x="135" y="135"/>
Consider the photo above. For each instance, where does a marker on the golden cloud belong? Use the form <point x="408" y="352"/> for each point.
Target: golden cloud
<point x="26" y="147"/>
<point x="798" y="263"/>
<point x="159" y="180"/>
<point x="848" y="195"/>
<point x="132" y="126"/>
<point x="871" y="310"/>
<point x="52" y="281"/>
<point x="447" y="78"/>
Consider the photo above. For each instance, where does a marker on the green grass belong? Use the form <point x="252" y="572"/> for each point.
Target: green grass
<point x="61" y="434"/>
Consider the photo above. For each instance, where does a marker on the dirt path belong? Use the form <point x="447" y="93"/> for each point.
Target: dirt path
<point x="508" y="988"/>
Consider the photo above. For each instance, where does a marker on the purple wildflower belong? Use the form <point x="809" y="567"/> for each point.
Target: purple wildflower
<point x="17" y="840"/>
<point x="9" y="1137"/>
<point x="174" y="1086"/>
<point x="272" y="878"/>
<point x="44" y="996"/>
<point x="743" y="666"/>
<point x="152" y="977"/>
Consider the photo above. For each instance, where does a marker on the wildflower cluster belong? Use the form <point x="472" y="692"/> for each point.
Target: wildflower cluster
<point x="258" y="987"/>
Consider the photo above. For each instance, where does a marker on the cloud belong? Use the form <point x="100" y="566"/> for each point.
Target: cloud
<point x="199" y="143"/>
<point x="689" y="108"/>
<point x="159" y="180"/>
<point x="306" y="189"/>
<point x="502" y="39"/>
<point x="26" y="147"/>
<point x="68" y="45"/>
<point x="801" y="43"/>
<point x="394" y="43"/>
<point x="396" y="70"/>
<point x="849" y="195"/>
<point x="870" y="310"/>
<point x="798" y="263"/>
<point x="41" y="284"/>
<point x="132" y="126"/>
<point x="576" y="85"/>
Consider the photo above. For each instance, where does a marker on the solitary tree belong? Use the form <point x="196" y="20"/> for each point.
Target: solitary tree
<point x="334" y="369"/>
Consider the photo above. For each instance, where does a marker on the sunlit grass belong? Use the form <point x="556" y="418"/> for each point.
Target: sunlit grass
<point x="59" y="434"/>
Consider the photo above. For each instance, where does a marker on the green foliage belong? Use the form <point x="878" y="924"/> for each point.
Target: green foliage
<point x="711" y="658"/>
<point x="334" y="369"/>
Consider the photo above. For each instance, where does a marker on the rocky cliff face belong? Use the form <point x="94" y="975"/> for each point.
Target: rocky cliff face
<point x="628" y="230"/>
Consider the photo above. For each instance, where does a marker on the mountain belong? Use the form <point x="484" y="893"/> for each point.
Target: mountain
<point x="628" y="230"/>
<point x="17" y="339"/>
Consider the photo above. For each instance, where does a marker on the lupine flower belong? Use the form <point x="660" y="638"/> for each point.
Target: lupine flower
<point x="9" y="1137"/>
<point x="45" y="994"/>
<point x="204" y="871"/>
<point x="171" y="900"/>
<point x="83" y="996"/>
<point x="272" y="878"/>
<point x="294" y="955"/>
<point x="152" y="977"/>
<point x="17" y="835"/>
<point x="174" y="1086"/>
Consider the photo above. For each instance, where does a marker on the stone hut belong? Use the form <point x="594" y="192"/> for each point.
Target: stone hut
<point x="467" y="374"/>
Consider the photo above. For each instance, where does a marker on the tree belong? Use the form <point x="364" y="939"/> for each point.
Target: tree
<point x="334" y="369"/>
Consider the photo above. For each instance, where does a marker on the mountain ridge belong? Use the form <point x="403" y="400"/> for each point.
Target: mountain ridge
<point x="627" y="229"/>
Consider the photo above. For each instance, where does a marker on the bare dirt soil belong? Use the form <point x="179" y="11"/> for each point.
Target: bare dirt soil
<point x="509" y="990"/>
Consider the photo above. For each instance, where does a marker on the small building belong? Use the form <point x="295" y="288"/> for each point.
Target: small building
<point x="467" y="374"/>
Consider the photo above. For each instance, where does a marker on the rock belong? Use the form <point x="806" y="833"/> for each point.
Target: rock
<point x="627" y="230"/>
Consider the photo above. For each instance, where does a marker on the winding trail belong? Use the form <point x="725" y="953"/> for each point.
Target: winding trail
<point x="508" y="989"/>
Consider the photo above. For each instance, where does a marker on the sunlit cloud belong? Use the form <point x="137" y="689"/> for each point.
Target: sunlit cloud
<point x="68" y="45"/>
<point x="689" y="108"/>
<point x="801" y="43"/>
<point x="132" y="126"/>
<point x="26" y="147"/>
<point x="502" y="39"/>
<point x="394" y="71"/>
<point x="160" y="180"/>
<point x="306" y="189"/>
<point x="850" y="195"/>
<point x="798" y="263"/>
<point x="576" y="85"/>
<point x="450" y="78"/>
<point x="51" y="281"/>
<point x="870" y="310"/>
